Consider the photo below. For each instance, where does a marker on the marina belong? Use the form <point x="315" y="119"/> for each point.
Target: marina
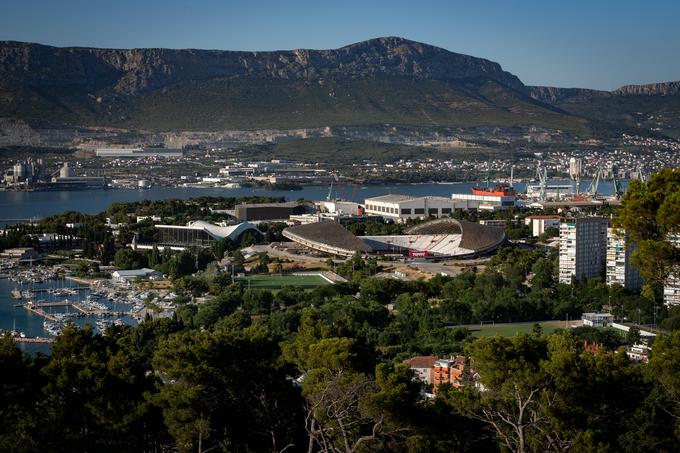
<point x="34" y="308"/>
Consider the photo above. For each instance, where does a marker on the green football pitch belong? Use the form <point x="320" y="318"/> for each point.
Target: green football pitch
<point x="279" y="281"/>
<point x="510" y="329"/>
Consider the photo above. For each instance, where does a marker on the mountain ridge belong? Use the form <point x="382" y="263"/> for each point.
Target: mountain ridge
<point x="137" y="70"/>
<point x="378" y="82"/>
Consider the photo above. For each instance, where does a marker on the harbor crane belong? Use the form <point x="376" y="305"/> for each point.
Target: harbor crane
<point x="542" y="177"/>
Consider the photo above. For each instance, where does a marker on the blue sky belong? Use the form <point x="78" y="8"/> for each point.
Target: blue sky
<point x="571" y="43"/>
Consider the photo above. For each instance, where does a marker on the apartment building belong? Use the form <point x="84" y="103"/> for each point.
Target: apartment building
<point x="671" y="289"/>
<point x="619" y="268"/>
<point x="448" y="371"/>
<point x="583" y="248"/>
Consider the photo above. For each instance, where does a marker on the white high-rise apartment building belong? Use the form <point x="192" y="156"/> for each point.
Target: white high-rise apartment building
<point x="671" y="289"/>
<point x="575" y="166"/>
<point x="619" y="268"/>
<point x="583" y="248"/>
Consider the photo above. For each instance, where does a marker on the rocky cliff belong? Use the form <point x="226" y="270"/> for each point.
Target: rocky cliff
<point x="555" y="95"/>
<point x="137" y="70"/>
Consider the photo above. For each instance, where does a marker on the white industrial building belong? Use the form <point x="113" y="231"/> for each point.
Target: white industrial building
<point x="403" y="207"/>
<point x="490" y="202"/>
<point x="550" y="191"/>
<point x="540" y="223"/>
<point x="139" y="152"/>
<point x="68" y="178"/>
<point x="233" y="170"/>
<point x="619" y="268"/>
<point x="583" y="248"/>
<point x="136" y="274"/>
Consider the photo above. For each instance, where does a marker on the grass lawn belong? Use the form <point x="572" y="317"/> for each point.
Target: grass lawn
<point x="279" y="281"/>
<point x="510" y="329"/>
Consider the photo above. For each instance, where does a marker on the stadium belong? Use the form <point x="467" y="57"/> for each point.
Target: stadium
<point x="442" y="238"/>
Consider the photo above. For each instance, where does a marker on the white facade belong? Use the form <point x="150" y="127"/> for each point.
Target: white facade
<point x="540" y="223"/>
<point x="472" y="201"/>
<point x="575" y="167"/>
<point x="619" y="268"/>
<point x="134" y="274"/>
<point x="402" y="207"/>
<point x="138" y="152"/>
<point x="552" y="191"/>
<point x="671" y="289"/>
<point x="583" y="247"/>
<point x="597" y="319"/>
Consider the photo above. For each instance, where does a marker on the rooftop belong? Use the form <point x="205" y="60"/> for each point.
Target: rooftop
<point x="391" y="198"/>
<point x="284" y="204"/>
<point x="421" y="361"/>
<point x="328" y="233"/>
<point x="216" y="231"/>
<point x="136" y="272"/>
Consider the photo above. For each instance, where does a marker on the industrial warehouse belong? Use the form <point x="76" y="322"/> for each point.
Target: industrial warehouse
<point x="443" y="238"/>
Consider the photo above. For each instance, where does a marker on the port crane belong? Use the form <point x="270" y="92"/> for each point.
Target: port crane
<point x="542" y="177"/>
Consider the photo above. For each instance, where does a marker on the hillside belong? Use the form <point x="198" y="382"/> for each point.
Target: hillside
<point x="384" y="80"/>
<point x="48" y="94"/>
<point x="653" y="107"/>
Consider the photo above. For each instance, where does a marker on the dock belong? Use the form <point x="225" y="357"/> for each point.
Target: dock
<point x="39" y="311"/>
<point x="51" y="304"/>
<point x="45" y="290"/>
<point x="88" y="311"/>
<point x="33" y="340"/>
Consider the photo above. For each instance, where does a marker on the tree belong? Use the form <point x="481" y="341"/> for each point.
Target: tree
<point x="633" y="335"/>
<point x="511" y="402"/>
<point x="224" y="389"/>
<point x="650" y="214"/>
<point x="19" y="386"/>
<point x="263" y="263"/>
<point x="85" y="380"/>
<point x="129" y="259"/>
<point x="664" y="363"/>
<point x="182" y="264"/>
<point x="546" y="393"/>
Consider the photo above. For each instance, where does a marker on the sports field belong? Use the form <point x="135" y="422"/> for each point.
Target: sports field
<point x="510" y="329"/>
<point x="274" y="282"/>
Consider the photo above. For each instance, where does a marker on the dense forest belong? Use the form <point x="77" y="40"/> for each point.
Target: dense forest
<point x="321" y="370"/>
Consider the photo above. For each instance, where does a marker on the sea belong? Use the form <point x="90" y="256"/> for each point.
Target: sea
<point x="35" y="205"/>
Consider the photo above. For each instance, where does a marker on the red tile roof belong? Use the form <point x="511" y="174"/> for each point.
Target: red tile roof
<point x="422" y="361"/>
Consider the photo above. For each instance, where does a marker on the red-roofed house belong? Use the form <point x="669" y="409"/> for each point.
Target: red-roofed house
<point x="422" y="367"/>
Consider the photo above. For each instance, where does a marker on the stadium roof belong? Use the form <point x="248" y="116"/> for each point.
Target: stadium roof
<point x="329" y="237"/>
<point x="475" y="237"/>
<point x="442" y="238"/>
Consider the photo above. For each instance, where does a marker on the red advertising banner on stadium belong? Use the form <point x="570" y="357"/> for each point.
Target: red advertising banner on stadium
<point x="414" y="254"/>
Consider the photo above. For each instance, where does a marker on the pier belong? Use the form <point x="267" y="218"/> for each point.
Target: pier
<point x="39" y="311"/>
<point x="46" y="290"/>
<point x="33" y="340"/>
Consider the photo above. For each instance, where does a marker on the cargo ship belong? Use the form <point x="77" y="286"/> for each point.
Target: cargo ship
<point x="501" y="190"/>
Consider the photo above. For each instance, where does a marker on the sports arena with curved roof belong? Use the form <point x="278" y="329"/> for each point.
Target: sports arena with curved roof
<point x="443" y="238"/>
